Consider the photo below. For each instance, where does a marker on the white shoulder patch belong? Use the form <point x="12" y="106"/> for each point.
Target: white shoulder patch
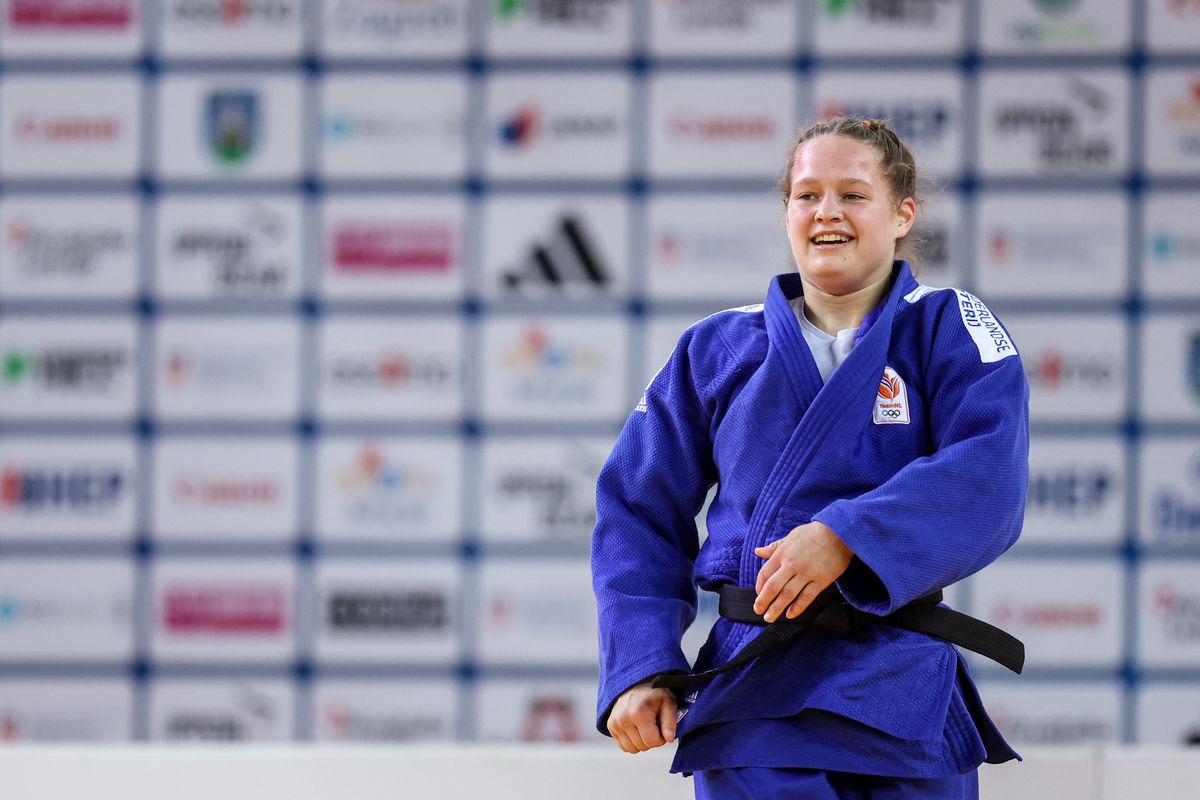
<point x="754" y="309"/>
<point x="919" y="292"/>
<point x="989" y="336"/>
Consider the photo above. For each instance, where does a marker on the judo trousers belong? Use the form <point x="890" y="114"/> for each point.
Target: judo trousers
<point x="757" y="783"/>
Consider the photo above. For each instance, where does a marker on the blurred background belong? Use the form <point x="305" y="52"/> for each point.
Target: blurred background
<point x="317" y="321"/>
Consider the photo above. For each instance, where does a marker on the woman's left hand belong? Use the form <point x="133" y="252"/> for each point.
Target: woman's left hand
<point x="799" y="567"/>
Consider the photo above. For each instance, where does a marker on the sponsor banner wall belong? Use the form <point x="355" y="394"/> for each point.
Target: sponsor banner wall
<point x="1173" y="107"/>
<point x="59" y="488"/>
<point x="68" y="368"/>
<point x="82" y="247"/>
<point x="1169" y="613"/>
<point x="1080" y="26"/>
<point x="219" y="29"/>
<point x="404" y="610"/>
<point x="34" y="710"/>
<point x="1169" y="483"/>
<point x="1035" y="123"/>
<point x="1170" y="367"/>
<point x="394" y="711"/>
<point x="1170" y="245"/>
<point x="942" y="258"/>
<point x="1168" y="714"/>
<point x="578" y="27"/>
<point x="1172" y="26"/>
<point x="225" y="489"/>
<point x="1052" y="245"/>
<point x="229" y="126"/>
<point x="906" y="28"/>
<point x="1069" y="613"/>
<point x="1077" y="491"/>
<point x="536" y="612"/>
<point x="68" y="127"/>
<point x="230" y="710"/>
<point x="390" y="30"/>
<point x="1037" y="715"/>
<point x="235" y="247"/>
<point x="67" y="610"/>
<point x="54" y="29"/>
<point x="223" y="610"/>
<point x="537" y="711"/>
<point x="389" y="490"/>
<point x="714" y="28"/>
<point x="392" y="248"/>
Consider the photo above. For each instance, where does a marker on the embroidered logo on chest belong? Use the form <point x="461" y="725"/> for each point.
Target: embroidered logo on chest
<point x="891" y="400"/>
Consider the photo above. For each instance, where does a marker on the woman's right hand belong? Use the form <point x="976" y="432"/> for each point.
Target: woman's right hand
<point x="643" y="718"/>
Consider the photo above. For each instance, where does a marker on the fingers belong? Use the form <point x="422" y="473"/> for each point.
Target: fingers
<point x="768" y="569"/>
<point x="802" y="601"/>
<point x="775" y="599"/>
<point x="666" y="719"/>
<point x="636" y="719"/>
<point x="648" y="732"/>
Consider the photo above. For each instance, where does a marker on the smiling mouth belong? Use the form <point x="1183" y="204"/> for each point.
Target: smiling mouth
<point x="828" y="241"/>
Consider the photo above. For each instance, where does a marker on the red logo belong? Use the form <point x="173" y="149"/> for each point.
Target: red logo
<point x="94" y="15"/>
<point x="721" y="128"/>
<point x="889" y="387"/>
<point x="244" y="609"/>
<point x="226" y="492"/>
<point x="67" y="130"/>
<point x="393" y="247"/>
<point x="550" y="719"/>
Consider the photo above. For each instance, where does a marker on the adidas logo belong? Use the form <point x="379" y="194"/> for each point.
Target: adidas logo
<point x="568" y="263"/>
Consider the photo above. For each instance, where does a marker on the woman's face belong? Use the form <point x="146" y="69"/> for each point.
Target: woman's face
<point x="842" y="220"/>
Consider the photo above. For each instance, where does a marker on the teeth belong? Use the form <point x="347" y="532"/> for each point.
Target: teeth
<point x="829" y="238"/>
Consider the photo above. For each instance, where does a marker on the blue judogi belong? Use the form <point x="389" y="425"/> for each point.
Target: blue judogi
<point x="915" y="452"/>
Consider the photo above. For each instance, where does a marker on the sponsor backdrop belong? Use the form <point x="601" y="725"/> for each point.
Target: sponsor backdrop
<point x="317" y="321"/>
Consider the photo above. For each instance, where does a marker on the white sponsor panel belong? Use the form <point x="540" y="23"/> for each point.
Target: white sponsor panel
<point x="206" y="710"/>
<point x="537" y="711"/>
<point x="554" y="369"/>
<point x="1054" y="122"/>
<point x="545" y="248"/>
<point x="389" y="490"/>
<point x="65" y="710"/>
<point x="1169" y="497"/>
<point x="221" y="29"/>
<point x="577" y="27"/>
<point x="540" y="489"/>
<point x="1170" y="245"/>
<point x="393" y="247"/>
<point x="66" y="609"/>
<point x="391" y="368"/>
<point x="724" y="247"/>
<point x="1077" y="491"/>
<point x="48" y="29"/>
<point x="1075" y="364"/>
<point x="242" y="368"/>
<point x="231" y="610"/>
<point x="385" y="711"/>
<point x="1172" y="26"/>
<point x="1055" y="714"/>
<point x="536" y="613"/>
<point x="225" y="489"/>
<point x="393" y="127"/>
<point x="387" y="29"/>
<point x="943" y="250"/>
<point x="230" y="126"/>
<point x="75" y="127"/>
<point x="558" y="126"/>
<point x="212" y="248"/>
<point x="903" y="27"/>
<point x="924" y="108"/>
<point x="723" y="27"/>
<point x="1172" y="121"/>
<point x="1068" y="612"/>
<point x="720" y="125"/>
<point x="69" y="248"/>
<point x="1041" y="245"/>
<point x="68" y="367"/>
<point x="405" y="610"/>
<point x="1056" y="27"/>
<point x="1170" y="367"/>
<point x="58" y="488"/>
<point x="1168" y="622"/>
<point x="1168" y="714"/>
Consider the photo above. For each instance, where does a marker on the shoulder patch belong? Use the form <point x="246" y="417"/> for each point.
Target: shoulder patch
<point x="919" y="292"/>
<point x="987" y="333"/>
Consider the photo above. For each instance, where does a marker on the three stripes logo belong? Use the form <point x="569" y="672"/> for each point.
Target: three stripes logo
<point x="569" y="263"/>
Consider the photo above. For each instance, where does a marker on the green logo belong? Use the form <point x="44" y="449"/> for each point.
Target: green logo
<point x="1057" y="6"/>
<point x="835" y="8"/>
<point x="16" y="367"/>
<point x="507" y="9"/>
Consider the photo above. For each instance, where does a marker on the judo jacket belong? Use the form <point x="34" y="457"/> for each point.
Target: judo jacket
<point x="915" y="453"/>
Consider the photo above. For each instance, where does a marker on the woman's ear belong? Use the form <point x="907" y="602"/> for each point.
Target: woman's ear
<point x="906" y="216"/>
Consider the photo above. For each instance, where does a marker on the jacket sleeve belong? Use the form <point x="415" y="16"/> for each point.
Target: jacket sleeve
<point x="947" y="515"/>
<point x="645" y="541"/>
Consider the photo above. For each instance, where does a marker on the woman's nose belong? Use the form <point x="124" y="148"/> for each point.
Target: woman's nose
<point x="828" y="208"/>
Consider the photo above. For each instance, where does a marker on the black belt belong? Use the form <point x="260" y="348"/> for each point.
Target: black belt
<point x="829" y="611"/>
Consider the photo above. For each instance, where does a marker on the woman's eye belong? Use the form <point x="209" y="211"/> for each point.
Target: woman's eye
<point x="805" y="196"/>
<point x="853" y="196"/>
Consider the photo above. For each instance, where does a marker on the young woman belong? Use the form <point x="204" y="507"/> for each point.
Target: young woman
<point x="869" y="439"/>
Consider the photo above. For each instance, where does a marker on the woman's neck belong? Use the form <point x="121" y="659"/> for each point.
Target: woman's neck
<point x="832" y="313"/>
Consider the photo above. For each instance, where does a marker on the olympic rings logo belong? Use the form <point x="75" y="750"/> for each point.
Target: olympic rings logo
<point x="891" y="413"/>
